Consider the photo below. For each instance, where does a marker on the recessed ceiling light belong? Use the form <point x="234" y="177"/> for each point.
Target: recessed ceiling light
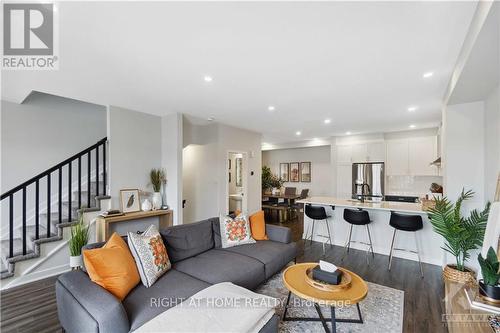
<point x="327" y="121"/>
<point x="427" y="75"/>
<point x="412" y="108"/>
<point x="347" y="133"/>
<point x="208" y="78"/>
<point x="298" y="133"/>
<point x="271" y="108"/>
<point x="210" y="118"/>
<point x="412" y="126"/>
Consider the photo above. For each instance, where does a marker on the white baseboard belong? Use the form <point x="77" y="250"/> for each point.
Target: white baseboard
<point x="36" y="276"/>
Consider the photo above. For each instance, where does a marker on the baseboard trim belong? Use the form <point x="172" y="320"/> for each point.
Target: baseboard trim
<point x="36" y="276"/>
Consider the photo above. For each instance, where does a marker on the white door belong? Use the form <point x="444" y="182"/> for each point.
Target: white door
<point x="344" y="181"/>
<point x="397" y="157"/>
<point x="376" y="152"/>
<point x="422" y="151"/>
<point x="359" y="153"/>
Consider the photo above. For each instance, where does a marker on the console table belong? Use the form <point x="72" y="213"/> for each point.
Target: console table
<point x="165" y="218"/>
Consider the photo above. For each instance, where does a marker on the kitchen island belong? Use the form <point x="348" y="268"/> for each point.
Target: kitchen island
<point x="381" y="232"/>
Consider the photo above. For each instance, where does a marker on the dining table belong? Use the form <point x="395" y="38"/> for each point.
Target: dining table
<point x="288" y="198"/>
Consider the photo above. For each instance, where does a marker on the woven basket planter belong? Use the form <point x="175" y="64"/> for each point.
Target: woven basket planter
<point x="450" y="273"/>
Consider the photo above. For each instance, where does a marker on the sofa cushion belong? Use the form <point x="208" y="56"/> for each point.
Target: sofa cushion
<point x="235" y="231"/>
<point x="216" y="266"/>
<point x="142" y="304"/>
<point x="274" y="255"/>
<point x="216" y="232"/>
<point x="187" y="240"/>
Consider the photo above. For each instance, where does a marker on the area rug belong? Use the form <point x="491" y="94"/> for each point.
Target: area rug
<point x="382" y="310"/>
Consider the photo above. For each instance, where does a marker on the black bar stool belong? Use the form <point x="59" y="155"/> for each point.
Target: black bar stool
<point x="410" y="223"/>
<point x="358" y="217"/>
<point x="318" y="213"/>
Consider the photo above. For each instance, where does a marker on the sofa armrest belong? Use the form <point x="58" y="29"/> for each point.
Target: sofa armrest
<point x="279" y="234"/>
<point x="84" y="306"/>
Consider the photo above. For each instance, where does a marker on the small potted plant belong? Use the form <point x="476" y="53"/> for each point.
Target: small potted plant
<point x="461" y="234"/>
<point x="79" y="238"/>
<point x="488" y="285"/>
<point x="157" y="177"/>
<point x="270" y="183"/>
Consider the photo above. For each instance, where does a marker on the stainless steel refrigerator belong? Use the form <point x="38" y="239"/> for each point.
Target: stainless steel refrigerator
<point x="368" y="180"/>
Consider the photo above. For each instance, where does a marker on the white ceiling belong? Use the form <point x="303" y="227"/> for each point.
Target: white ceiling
<point x="358" y="63"/>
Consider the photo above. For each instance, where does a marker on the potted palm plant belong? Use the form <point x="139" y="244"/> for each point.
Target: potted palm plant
<point x="461" y="234"/>
<point x="488" y="285"/>
<point x="157" y="177"/>
<point x="79" y="238"/>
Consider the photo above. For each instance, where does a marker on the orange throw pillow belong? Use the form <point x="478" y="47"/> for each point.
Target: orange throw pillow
<point x="258" y="226"/>
<point x="112" y="267"/>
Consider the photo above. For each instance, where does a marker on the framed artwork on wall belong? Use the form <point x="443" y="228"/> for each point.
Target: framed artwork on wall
<point x="305" y="172"/>
<point x="239" y="171"/>
<point x="285" y="172"/>
<point x="294" y="172"/>
<point x="130" y="200"/>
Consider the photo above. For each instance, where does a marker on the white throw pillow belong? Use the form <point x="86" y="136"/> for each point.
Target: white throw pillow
<point x="235" y="231"/>
<point x="150" y="255"/>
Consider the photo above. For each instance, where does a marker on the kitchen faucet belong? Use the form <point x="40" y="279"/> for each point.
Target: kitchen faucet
<point x="362" y="196"/>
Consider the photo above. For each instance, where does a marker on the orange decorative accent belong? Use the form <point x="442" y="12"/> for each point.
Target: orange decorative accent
<point x="112" y="267"/>
<point x="159" y="252"/>
<point x="258" y="226"/>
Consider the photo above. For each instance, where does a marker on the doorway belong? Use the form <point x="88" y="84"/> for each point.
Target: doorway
<point x="236" y="171"/>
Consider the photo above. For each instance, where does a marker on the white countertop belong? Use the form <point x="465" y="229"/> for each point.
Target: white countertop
<point x="403" y="207"/>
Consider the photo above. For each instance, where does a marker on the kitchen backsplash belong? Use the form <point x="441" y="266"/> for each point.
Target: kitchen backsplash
<point x="411" y="185"/>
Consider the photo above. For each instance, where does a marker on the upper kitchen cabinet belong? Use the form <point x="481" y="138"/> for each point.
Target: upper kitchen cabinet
<point x="412" y="157"/>
<point x="376" y="152"/>
<point x="397" y="158"/>
<point x="359" y="153"/>
<point x="423" y="151"/>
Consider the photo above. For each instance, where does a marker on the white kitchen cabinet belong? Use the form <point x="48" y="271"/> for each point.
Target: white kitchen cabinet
<point x="344" y="154"/>
<point x="422" y="151"/>
<point x="344" y="181"/>
<point x="411" y="157"/>
<point x="397" y="158"/>
<point x="376" y="152"/>
<point x="359" y="153"/>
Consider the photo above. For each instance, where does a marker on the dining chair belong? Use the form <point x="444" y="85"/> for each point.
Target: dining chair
<point x="290" y="190"/>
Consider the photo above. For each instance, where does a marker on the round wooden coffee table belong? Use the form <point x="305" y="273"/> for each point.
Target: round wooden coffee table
<point x="294" y="278"/>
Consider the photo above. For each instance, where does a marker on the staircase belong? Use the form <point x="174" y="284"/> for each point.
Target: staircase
<point x="72" y="187"/>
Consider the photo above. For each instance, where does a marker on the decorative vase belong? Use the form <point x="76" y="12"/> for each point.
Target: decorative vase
<point x="164" y="196"/>
<point x="75" y="262"/>
<point x="489" y="293"/>
<point x="274" y="190"/>
<point x="157" y="202"/>
<point x="451" y="273"/>
<point x="146" y="205"/>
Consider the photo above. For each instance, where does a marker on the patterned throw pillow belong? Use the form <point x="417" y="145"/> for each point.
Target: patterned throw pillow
<point x="150" y="255"/>
<point x="235" y="231"/>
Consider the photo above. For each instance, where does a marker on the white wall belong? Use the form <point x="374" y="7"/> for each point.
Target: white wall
<point x="321" y="169"/>
<point x="171" y="155"/>
<point x="44" y="131"/>
<point x="135" y="144"/>
<point x="463" y="151"/>
<point x="492" y="142"/>
<point x="39" y="133"/>
<point x="205" y="153"/>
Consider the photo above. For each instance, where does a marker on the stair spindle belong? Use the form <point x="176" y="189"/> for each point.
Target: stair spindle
<point x="97" y="171"/>
<point x="104" y="168"/>
<point x="88" y="179"/>
<point x="79" y="182"/>
<point x="11" y="226"/>
<point x="37" y="209"/>
<point x="70" y="196"/>
<point x="24" y="221"/>
<point x="48" y="204"/>
<point x="60" y="195"/>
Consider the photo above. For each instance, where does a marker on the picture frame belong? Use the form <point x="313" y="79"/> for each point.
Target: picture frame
<point x="239" y="171"/>
<point x="285" y="172"/>
<point x="294" y="172"/>
<point x="130" y="200"/>
<point x="305" y="172"/>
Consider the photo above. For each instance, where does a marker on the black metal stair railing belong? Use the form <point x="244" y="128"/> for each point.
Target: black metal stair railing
<point x="59" y="168"/>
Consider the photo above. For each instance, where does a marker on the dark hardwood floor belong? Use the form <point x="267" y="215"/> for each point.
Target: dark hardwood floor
<point x="32" y="307"/>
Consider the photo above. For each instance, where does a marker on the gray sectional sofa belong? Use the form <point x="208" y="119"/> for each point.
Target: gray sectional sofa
<point x="198" y="262"/>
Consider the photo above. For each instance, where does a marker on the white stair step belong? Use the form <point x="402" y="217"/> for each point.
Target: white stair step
<point x="18" y="247"/>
